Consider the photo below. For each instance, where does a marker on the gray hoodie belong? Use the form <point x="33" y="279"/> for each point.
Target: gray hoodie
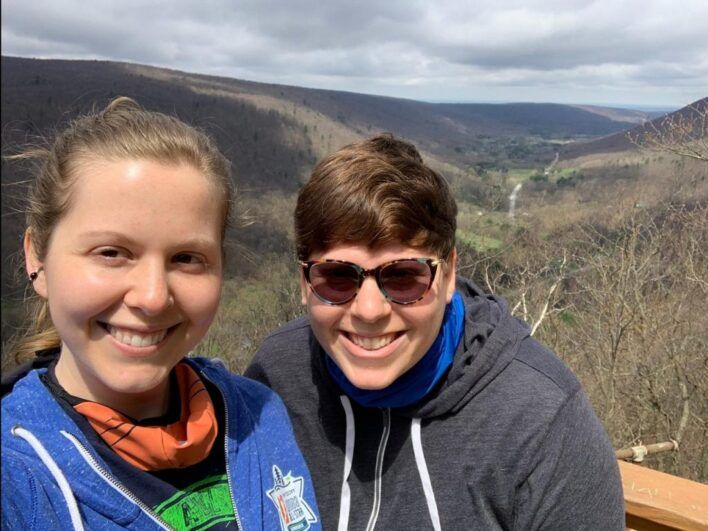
<point x="508" y="439"/>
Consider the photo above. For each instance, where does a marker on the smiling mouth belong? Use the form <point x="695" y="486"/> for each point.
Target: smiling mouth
<point x="136" y="339"/>
<point x="372" y="343"/>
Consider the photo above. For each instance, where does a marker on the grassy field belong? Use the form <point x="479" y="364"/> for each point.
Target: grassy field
<point x="519" y="175"/>
<point x="479" y="242"/>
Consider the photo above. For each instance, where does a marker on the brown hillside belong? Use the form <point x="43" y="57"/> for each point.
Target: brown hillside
<point x="622" y="141"/>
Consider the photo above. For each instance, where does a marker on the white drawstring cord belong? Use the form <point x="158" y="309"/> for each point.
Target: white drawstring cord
<point x="345" y="497"/>
<point x="69" y="497"/>
<point x="423" y="472"/>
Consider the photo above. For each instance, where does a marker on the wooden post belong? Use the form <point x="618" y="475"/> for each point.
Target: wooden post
<point x="637" y="453"/>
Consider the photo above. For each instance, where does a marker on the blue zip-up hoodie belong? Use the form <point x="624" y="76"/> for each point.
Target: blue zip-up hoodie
<point x="54" y="479"/>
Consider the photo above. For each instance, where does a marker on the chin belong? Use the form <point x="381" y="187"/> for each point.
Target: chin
<point x="369" y="380"/>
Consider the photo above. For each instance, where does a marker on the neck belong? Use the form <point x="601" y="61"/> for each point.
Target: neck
<point x="422" y="378"/>
<point x="81" y="382"/>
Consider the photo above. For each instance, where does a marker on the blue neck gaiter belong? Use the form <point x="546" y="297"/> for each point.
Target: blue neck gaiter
<point x="422" y="377"/>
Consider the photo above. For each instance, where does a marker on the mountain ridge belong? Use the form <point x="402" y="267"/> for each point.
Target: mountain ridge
<point x="626" y="140"/>
<point x="444" y="129"/>
<point x="274" y="134"/>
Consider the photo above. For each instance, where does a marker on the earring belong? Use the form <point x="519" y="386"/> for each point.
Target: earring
<point x="34" y="274"/>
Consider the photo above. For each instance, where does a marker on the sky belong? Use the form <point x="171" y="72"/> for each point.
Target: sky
<point x="648" y="53"/>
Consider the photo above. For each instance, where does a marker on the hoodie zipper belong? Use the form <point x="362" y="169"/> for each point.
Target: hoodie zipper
<point x="114" y="482"/>
<point x="378" y="473"/>
<point x="110" y="479"/>
<point x="226" y="449"/>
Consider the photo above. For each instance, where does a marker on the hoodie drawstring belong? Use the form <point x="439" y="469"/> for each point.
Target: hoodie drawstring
<point x="64" y="486"/>
<point x="345" y="496"/>
<point x="423" y="472"/>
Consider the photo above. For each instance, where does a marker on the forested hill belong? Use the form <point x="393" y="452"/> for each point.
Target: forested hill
<point x="687" y="122"/>
<point x="273" y="133"/>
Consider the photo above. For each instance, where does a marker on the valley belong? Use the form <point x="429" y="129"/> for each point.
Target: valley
<point x="603" y="249"/>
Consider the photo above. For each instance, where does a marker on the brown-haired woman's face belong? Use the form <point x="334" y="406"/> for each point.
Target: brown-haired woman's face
<point x="132" y="275"/>
<point x="374" y="340"/>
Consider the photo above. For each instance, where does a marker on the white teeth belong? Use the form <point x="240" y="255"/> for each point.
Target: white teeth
<point x="134" y="339"/>
<point x="372" y="343"/>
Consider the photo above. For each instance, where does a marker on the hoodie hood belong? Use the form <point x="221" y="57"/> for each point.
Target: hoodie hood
<point x="491" y="340"/>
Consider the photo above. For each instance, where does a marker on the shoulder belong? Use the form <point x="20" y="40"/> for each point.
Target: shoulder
<point x="228" y="382"/>
<point x="538" y="390"/>
<point x="293" y="334"/>
<point x="29" y="403"/>
<point x="22" y="389"/>
<point x="14" y="375"/>
<point x="285" y="353"/>
<point x="544" y="366"/>
<point x="507" y="357"/>
<point x="561" y="412"/>
<point x="240" y="392"/>
<point x="527" y="385"/>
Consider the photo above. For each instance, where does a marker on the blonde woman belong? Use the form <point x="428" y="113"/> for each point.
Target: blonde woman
<point x="124" y="249"/>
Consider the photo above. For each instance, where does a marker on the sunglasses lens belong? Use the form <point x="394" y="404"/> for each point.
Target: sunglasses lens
<point x="406" y="281"/>
<point x="335" y="283"/>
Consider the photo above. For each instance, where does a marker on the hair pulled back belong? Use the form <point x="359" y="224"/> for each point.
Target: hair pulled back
<point x="123" y="130"/>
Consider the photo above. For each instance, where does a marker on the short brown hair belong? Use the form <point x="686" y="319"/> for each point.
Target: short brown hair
<point x="375" y="192"/>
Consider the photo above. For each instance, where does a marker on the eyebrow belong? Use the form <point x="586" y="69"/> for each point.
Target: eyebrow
<point x="198" y="243"/>
<point x="104" y="234"/>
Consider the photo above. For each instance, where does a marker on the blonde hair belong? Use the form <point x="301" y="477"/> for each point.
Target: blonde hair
<point x="123" y="130"/>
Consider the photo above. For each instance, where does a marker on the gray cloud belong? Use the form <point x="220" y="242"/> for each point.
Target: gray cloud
<point x="606" y="51"/>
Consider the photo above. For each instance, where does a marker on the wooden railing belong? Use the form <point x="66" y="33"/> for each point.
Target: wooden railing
<point x="655" y="501"/>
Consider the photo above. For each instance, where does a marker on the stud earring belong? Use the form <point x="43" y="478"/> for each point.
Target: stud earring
<point x="34" y="274"/>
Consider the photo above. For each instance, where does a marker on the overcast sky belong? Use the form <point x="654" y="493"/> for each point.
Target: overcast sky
<point x="644" y="52"/>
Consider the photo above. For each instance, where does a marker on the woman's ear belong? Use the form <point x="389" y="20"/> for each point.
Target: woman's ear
<point x="34" y="267"/>
<point x="450" y="267"/>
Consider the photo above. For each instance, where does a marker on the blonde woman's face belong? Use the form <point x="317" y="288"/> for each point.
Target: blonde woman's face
<point x="132" y="275"/>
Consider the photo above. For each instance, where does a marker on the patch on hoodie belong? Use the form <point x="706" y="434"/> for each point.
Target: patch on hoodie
<point x="287" y="495"/>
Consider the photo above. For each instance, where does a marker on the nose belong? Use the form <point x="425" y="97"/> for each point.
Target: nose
<point x="149" y="289"/>
<point x="370" y="305"/>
